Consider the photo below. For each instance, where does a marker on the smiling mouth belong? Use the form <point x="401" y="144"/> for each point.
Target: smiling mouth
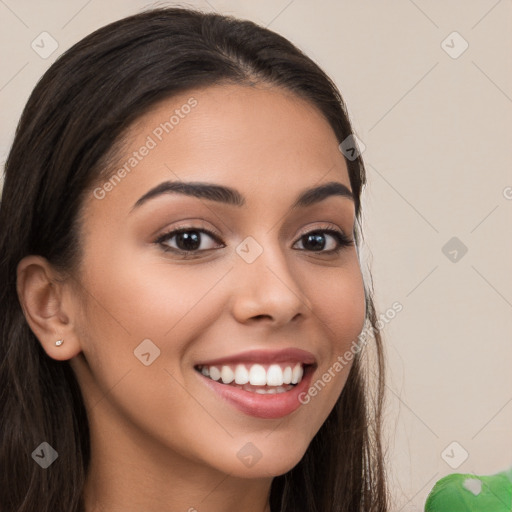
<point x="257" y="378"/>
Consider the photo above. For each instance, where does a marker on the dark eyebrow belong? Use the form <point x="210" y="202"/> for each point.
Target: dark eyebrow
<point x="231" y="196"/>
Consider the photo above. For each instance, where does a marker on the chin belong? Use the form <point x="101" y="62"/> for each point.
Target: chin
<point x="268" y="461"/>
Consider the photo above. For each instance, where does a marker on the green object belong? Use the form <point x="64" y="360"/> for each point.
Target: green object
<point x="471" y="493"/>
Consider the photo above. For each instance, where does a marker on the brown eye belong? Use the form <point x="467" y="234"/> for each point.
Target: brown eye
<point x="315" y="241"/>
<point x="187" y="239"/>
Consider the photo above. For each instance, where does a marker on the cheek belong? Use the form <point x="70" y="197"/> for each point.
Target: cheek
<point x="134" y="309"/>
<point x="142" y="306"/>
<point x="150" y="297"/>
<point x="340" y="308"/>
<point x="340" y="305"/>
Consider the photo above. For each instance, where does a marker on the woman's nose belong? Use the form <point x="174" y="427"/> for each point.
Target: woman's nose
<point x="267" y="285"/>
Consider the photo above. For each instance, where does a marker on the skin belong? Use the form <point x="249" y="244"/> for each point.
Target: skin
<point x="161" y="440"/>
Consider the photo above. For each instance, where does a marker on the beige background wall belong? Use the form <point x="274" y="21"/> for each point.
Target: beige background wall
<point x="436" y="124"/>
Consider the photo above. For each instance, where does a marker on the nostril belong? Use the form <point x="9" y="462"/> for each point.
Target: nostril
<point x="257" y="317"/>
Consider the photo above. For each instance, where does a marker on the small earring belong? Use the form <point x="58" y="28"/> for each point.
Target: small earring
<point x="59" y="343"/>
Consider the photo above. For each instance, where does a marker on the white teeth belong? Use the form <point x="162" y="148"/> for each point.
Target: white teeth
<point x="227" y="375"/>
<point x="287" y="375"/>
<point x="274" y="375"/>
<point x="257" y="375"/>
<point x="266" y="391"/>
<point x="297" y="373"/>
<point x="241" y="374"/>
<point x="214" y="373"/>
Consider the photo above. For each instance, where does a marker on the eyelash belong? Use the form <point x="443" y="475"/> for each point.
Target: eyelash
<point x="342" y="239"/>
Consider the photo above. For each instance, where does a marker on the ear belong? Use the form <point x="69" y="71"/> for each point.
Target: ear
<point x="47" y="305"/>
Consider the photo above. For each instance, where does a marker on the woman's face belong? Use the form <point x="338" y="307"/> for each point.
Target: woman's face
<point x="250" y="300"/>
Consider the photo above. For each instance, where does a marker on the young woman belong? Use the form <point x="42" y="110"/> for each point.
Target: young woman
<point x="184" y="322"/>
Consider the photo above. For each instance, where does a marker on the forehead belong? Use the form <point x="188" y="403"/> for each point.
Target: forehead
<point x="262" y="140"/>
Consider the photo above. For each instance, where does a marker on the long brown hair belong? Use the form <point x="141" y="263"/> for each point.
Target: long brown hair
<point x="65" y="138"/>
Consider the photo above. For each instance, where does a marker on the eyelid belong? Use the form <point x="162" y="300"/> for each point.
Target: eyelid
<point x="336" y="232"/>
<point x="324" y="226"/>
<point x="168" y="235"/>
<point x="189" y="225"/>
<point x="342" y="239"/>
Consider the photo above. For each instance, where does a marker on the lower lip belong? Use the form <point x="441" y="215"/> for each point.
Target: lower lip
<point x="268" y="406"/>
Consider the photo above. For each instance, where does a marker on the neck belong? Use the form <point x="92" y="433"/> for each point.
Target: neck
<point x="133" y="475"/>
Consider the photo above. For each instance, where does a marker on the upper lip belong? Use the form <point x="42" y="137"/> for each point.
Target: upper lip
<point x="287" y="355"/>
